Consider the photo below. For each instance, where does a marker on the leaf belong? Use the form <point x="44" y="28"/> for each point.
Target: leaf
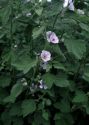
<point x="24" y="63"/>
<point x="76" y="47"/>
<point x="28" y="107"/>
<point x="15" y="109"/>
<point x="49" y="79"/>
<point x="87" y="108"/>
<point x="18" y="121"/>
<point x="63" y="105"/>
<point x="3" y="94"/>
<point x="15" y="92"/>
<point x="84" y="26"/>
<point x="39" y="11"/>
<point x="38" y="31"/>
<point x="45" y="115"/>
<point x="5" y="80"/>
<point x="80" y="97"/>
<point x="86" y="73"/>
<point x="58" y="65"/>
<point x="61" y="82"/>
<point x="6" y="14"/>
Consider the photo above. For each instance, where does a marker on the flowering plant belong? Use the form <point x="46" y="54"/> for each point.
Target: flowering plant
<point x="44" y="62"/>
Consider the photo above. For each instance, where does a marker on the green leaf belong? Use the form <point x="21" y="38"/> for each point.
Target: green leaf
<point x="6" y="14"/>
<point x="24" y="63"/>
<point x="15" y="109"/>
<point x="38" y="31"/>
<point x="58" y="65"/>
<point x="5" y="80"/>
<point x="80" y="97"/>
<point x="28" y="107"/>
<point x="76" y="47"/>
<point x="64" y="106"/>
<point x="39" y="11"/>
<point x="61" y="82"/>
<point x="15" y="92"/>
<point x="3" y="94"/>
<point x="49" y="79"/>
<point x="45" y="115"/>
<point x="87" y="109"/>
<point x="84" y="26"/>
<point x="18" y="121"/>
<point x="86" y="73"/>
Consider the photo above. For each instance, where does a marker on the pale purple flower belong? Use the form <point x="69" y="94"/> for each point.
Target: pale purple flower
<point x="52" y="37"/>
<point x="45" y="56"/>
<point x="69" y="4"/>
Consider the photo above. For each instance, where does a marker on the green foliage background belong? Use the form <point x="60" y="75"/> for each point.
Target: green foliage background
<point x="66" y="101"/>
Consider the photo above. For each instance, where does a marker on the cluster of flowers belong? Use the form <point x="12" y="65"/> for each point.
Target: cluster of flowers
<point x="51" y="38"/>
<point x="41" y="85"/>
<point x="70" y="5"/>
<point x="33" y="86"/>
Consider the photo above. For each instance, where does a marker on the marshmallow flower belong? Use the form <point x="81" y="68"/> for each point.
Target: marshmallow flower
<point x="51" y="37"/>
<point x="45" y="56"/>
<point x="69" y="4"/>
<point x="65" y="4"/>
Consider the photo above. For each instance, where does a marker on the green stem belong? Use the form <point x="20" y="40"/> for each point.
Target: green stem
<point x="35" y="69"/>
<point x="55" y="20"/>
<point x="11" y="28"/>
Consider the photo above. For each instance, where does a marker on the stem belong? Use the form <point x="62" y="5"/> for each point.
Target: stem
<point x="35" y="69"/>
<point x="82" y="65"/>
<point x="11" y="31"/>
<point x="56" y="17"/>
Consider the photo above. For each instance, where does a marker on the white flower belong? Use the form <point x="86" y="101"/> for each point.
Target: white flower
<point x="40" y="0"/>
<point x="65" y="4"/>
<point x="28" y="14"/>
<point x="24" y="82"/>
<point x="42" y="85"/>
<point x="49" y="0"/>
<point x="45" y="56"/>
<point x="69" y="4"/>
<point x="18" y="16"/>
<point x="51" y="37"/>
<point x="44" y="65"/>
<point x="15" y="46"/>
<point x="81" y="12"/>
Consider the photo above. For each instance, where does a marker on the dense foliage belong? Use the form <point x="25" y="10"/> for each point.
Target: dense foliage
<point x="35" y="90"/>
